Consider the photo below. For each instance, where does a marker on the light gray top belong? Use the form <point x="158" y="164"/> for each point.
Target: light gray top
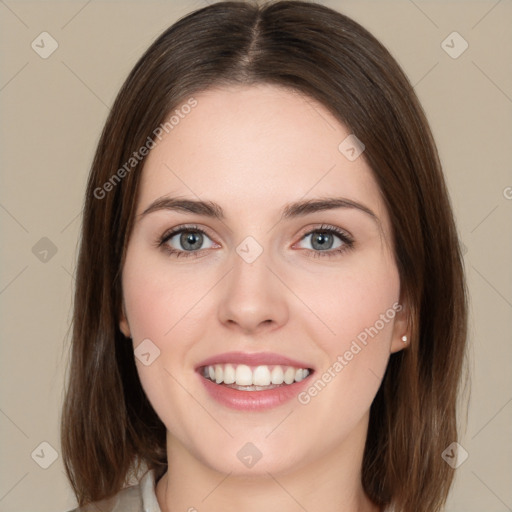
<point x="136" y="498"/>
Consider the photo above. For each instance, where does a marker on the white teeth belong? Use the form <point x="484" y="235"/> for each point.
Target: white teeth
<point x="289" y="375"/>
<point x="243" y="375"/>
<point x="260" y="377"/>
<point x="277" y="375"/>
<point x="229" y="374"/>
<point x="219" y="374"/>
<point x="299" y="375"/>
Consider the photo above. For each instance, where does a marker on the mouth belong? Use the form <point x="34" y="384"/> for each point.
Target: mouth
<point x="254" y="378"/>
<point x="253" y="382"/>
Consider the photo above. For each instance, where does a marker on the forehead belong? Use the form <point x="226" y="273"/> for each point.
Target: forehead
<point x="255" y="148"/>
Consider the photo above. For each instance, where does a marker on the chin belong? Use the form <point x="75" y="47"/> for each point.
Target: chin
<point x="242" y="458"/>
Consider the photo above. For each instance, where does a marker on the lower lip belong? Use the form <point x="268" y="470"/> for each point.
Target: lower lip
<point x="253" y="400"/>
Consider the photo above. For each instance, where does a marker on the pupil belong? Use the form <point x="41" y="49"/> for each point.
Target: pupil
<point x="322" y="240"/>
<point x="189" y="239"/>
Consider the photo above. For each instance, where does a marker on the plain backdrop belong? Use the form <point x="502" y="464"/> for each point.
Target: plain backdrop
<point x="53" y="110"/>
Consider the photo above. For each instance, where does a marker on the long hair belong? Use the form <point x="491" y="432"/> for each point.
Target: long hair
<point x="108" y="426"/>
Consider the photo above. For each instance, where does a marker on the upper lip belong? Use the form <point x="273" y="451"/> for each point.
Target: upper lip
<point x="253" y="359"/>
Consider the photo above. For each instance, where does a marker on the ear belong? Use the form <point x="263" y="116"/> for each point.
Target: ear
<point x="401" y="328"/>
<point x="123" y="322"/>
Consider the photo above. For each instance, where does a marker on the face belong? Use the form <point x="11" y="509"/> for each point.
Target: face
<point x="266" y="317"/>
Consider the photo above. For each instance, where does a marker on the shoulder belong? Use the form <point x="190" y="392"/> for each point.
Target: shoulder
<point x="126" y="500"/>
<point x="136" y="498"/>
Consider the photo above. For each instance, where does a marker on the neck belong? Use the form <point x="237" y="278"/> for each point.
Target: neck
<point x="330" y="482"/>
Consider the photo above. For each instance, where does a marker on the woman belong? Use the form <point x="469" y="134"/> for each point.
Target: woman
<point x="270" y="306"/>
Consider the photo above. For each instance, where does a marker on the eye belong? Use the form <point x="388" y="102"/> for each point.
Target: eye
<point x="327" y="241"/>
<point x="190" y="241"/>
<point x="185" y="241"/>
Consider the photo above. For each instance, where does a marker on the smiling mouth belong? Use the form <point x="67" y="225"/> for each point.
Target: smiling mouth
<point x="254" y="378"/>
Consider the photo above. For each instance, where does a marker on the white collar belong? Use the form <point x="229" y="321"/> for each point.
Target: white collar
<point x="148" y="491"/>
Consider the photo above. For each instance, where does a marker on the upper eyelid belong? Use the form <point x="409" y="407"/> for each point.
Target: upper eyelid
<point x="179" y="229"/>
<point x="327" y="227"/>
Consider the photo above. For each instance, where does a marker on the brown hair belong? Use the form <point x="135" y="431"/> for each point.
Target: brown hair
<point x="108" y="426"/>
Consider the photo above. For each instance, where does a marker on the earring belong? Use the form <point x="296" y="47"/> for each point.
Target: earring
<point x="404" y="339"/>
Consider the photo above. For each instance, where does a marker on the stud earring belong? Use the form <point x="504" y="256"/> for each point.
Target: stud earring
<point x="404" y="339"/>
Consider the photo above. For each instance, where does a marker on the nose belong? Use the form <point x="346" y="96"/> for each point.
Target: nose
<point x="253" y="299"/>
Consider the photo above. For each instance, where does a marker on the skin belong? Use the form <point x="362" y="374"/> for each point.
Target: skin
<point x="252" y="150"/>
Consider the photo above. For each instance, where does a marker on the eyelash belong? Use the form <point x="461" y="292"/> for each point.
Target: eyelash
<point x="347" y="240"/>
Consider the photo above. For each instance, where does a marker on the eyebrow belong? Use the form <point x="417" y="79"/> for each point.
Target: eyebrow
<point x="292" y="210"/>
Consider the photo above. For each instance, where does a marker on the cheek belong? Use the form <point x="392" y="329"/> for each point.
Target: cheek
<point x="166" y="306"/>
<point x="156" y="299"/>
<point x="162" y="306"/>
<point x="366" y="311"/>
<point x="360" y="309"/>
<point x="356" y="301"/>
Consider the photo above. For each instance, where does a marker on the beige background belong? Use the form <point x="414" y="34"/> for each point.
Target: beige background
<point x="53" y="111"/>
